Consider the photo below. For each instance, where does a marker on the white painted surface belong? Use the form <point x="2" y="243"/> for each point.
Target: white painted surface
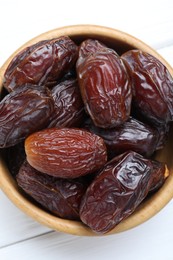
<point x="152" y="22"/>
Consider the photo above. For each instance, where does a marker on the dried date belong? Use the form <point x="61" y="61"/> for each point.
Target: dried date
<point x="105" y="85"/>
<point x="152" y="86"/>
<point x="132" y="135"/>
<point x="160" y="173"/>
<point x="62" y="197"/>
<point x="65" y="152"/>
<point x="68" y="104"/>
<point x="162" y="129"/>
<point x="91" y="46"/>
<point x="22" y="112"/>
<point x="118" y="189"/>
<point x="42" y="63"/>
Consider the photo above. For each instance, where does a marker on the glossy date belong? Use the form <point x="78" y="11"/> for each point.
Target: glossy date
<point x="152" y="86"/>
<point x="60" y="196"/>
<point x="104" y="85"/>
<point x="22" y="112"/>
<point x="132" y="135"/>
<point x="118" y="189"/>
<point x="42" y="63"/>
<point x="65" y="152"/>
<point x="91" y="46"/>
<point x="68" y="105"/>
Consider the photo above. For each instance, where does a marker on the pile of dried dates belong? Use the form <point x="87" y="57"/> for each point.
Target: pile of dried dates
<point x="80" y="124"/>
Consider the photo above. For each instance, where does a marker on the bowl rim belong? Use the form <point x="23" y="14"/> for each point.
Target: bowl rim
<point x="8" y="185"/>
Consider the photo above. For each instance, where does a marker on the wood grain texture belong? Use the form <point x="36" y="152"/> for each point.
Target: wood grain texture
<point x="120" y="246"/>
<point x="15" y="225"/>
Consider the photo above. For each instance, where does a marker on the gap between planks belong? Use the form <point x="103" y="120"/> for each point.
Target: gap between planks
<point x="27" y="239"/>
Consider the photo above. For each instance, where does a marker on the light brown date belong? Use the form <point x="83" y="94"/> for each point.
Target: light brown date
<point x="69" y="108"/>
<point x="65" y="152"/>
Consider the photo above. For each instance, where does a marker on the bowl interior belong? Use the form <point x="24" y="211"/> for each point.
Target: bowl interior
<point x="121" y="42"/>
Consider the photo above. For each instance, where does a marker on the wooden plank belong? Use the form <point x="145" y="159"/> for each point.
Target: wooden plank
<point x="153" y="240"/>
<point x="15" y="225"/>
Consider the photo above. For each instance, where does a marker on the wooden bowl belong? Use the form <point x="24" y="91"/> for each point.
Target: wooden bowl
<point x="121" y="42"/>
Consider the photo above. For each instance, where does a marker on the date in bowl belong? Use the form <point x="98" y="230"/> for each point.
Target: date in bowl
<point x="120" y="42"/>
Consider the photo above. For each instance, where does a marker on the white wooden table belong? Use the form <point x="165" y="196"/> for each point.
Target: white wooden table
<point x="20" y="20"/>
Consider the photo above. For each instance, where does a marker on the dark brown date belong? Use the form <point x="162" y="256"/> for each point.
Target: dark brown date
<point x="117" y="191"/>
<point x="65" y="152"/>
<point x="104" y="85"/>
<point x="160" y="174"/>
<point x="162" y="128"/>
<point x="91" y="46"/>
<point x="42" y="63"/>
<point x="22" y="112"/>
<point x="59" y="196"/>
<point x="163" y="131"/>
<point x="69" y="107"/>
<point x="152" y="86"/>
<point x="15" y="156"/>
<point x="132" y="135"/>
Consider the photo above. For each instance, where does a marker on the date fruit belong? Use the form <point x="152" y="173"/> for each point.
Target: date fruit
<point x="104" y="84"/>
<point x="22" y="112"/>
<point x="132" y="135"/>
<point x="152" y="86"/>
<point x="65" y="152"/>
<point x="42" y="63"/>
<point x="62" y="197"/>
<point x="91" y="46"/>
<point x="160" y="173"/>
<point x="118" y="189"/>
<point x="69" y="107"/>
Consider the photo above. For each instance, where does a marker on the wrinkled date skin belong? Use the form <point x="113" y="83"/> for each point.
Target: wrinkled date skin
<point x="160" y="173"/>
<point x="119" y="188"/>
<point x="132" y="135"/>
<point x="69" y="107"/>
<point x="91" y="46"/>
<point x="162" y="129"/>
<point x="104" y="85"/>
<point x="65" y="152"/>
<point x="42" y="63"/>
<point x="22" y="112"/>
<point x="62" y="197"/>
<point x="152" y="86"/>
